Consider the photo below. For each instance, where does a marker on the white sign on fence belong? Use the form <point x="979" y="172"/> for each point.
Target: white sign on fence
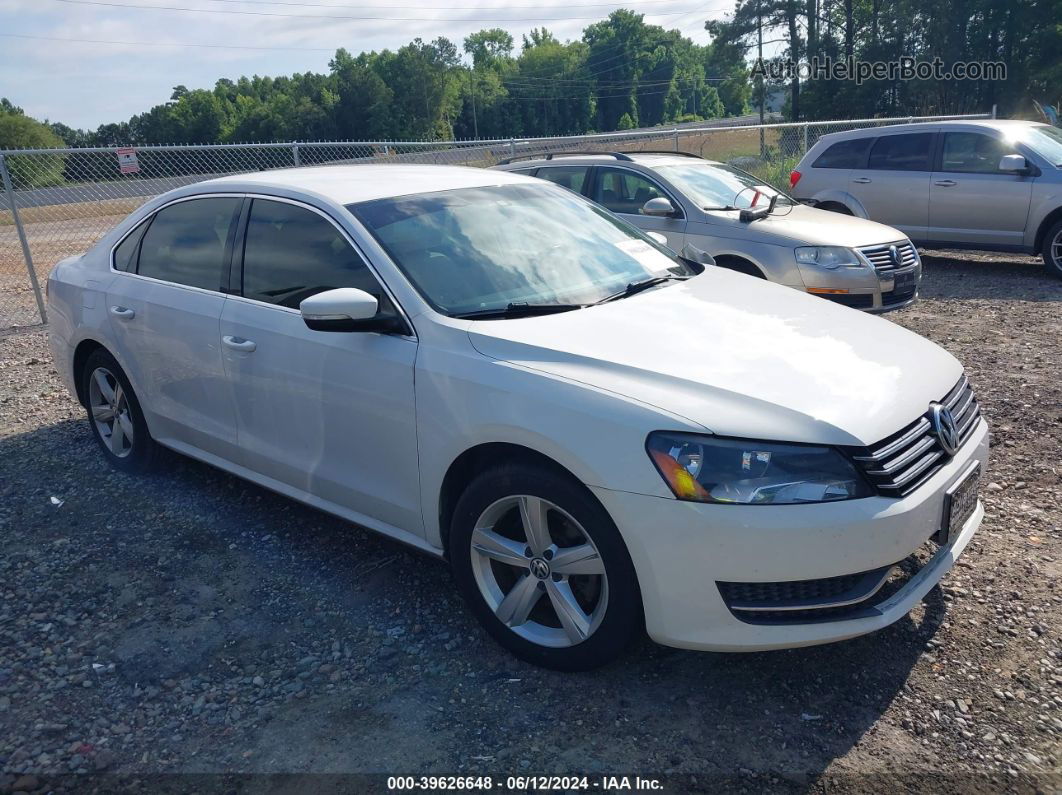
<point x="127" y="161"/>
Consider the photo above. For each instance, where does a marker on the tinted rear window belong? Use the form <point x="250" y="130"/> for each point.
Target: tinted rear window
<point x="908" y="152"/>
<point x="844" y="154"/>
<point x="185" y="244"/>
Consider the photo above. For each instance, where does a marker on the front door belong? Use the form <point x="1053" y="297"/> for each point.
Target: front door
<point x="165" y="309"/>
<point x="625" y="192"/>
<point x="329" y="413"/>
<point x="970" y="200"/>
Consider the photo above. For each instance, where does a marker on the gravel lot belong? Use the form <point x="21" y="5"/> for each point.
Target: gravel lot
<point x="194" y="623"/>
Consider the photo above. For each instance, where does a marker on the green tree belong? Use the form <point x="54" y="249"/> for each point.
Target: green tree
<point x="18" y="131"/>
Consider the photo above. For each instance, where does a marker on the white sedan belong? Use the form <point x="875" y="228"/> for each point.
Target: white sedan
<point x="598" y="435"/>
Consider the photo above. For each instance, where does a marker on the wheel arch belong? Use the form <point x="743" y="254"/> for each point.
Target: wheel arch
<point x="82" y="352"/>
<point x="740" y="264"/>
<point x="842" y="198"/>
<point x="1041" y="232"/>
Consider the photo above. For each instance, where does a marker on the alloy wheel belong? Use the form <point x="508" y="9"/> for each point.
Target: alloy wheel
<point x="109" y="407"/>
<point x="1056" y="250"/>
<point x="539" y="571"/>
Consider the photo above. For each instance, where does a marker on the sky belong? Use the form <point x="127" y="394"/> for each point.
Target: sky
<point x="96" y="61"/>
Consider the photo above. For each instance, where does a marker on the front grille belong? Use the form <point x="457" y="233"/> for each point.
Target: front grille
<point x="900" y="463"/>
<point x="881" y="258"/>
<point x="829" y="599"/>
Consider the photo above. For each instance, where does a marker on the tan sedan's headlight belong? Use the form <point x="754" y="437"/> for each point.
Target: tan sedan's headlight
<point x="829" y="257"/>
<point x="709" y="469"/>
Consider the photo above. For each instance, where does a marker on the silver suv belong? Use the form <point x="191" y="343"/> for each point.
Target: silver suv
<point x="993" y="184"/>
<point x="704" y="206"/>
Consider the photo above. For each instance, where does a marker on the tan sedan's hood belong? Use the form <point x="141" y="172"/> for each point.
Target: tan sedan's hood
<point x="806" y="226"/>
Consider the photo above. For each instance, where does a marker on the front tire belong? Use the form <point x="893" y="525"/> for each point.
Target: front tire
<point x="115" y="416"/>
<point x="1052" y="250"/>
<point x="544" y="569"/>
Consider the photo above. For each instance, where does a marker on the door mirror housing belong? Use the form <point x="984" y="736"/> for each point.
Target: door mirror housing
<point x="1014" y="163"/>
<point x="659" y="207"/>
<point x="345" y="309"/>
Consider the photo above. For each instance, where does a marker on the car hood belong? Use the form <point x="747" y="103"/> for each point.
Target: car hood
<point x="807" y="226"/>
<point x="740" y="357"/>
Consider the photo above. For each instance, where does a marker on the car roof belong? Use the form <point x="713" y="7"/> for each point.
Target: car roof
<point x="648" y="159"/>
<point x="991" y="124"/>
<point x="348" y="184"/>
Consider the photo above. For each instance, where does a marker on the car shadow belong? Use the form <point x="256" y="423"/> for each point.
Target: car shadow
<point x="192" y="579"/>
<point x="950" y="275"/>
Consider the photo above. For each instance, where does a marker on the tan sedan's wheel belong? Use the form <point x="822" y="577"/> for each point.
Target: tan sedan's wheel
<point x="544" y="568"/>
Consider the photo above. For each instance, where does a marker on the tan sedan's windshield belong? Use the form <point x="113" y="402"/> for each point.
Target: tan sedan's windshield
<point x="718" y="187"/>
<point x="477" y="249"/>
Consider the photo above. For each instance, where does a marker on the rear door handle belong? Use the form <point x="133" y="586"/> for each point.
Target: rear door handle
<point x="123" y="313"/>
<point x="862" y="180"/>
<point x="945" y="183"/>
<point x="239" y="344"/>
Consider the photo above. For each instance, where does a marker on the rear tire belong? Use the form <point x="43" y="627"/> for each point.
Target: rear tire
<point x="115" y="416"/>
<point x="563" y="595"/>
<point x="1052" y="250"/>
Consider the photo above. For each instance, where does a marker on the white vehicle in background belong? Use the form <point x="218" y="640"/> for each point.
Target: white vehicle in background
<point x="598" y="436"/>
<point x="994" y="184"/>
<point x="744" y="224"/>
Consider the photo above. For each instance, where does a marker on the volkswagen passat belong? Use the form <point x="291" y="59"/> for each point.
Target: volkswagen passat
<point x="597" y="435"/>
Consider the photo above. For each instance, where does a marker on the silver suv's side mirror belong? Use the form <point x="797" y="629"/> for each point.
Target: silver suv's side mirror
<point x="1013" y="163"/>
<point x="344" y="309"/>
<point x="659" y="207"/>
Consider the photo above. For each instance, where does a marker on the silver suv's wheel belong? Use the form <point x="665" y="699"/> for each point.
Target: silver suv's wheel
<point x="1052" y="251"/>
<point x="543" y="567"/>
<point x="539" y="571"/>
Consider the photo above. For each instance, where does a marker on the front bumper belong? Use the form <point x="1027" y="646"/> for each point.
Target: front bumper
<point x="864" y="288"/>
<point x="681" y="550"/>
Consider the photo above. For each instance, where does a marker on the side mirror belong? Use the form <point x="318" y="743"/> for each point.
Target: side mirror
<point x="659" y="208"/>
<point x="694" y="254"/>
<point x="1013" y="163"/>
<point x="659" y="237"/>
<point x="344" y="309"/>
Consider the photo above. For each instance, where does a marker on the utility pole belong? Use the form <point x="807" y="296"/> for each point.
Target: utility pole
<point x="472" y="88"/>
<point x="759" y="35"/>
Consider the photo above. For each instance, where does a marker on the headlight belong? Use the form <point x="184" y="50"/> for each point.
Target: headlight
<point x="709" y="469"/>
<point x="829" y="257"/>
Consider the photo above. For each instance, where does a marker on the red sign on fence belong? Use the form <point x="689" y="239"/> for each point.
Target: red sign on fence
<point x="127" y="161"/>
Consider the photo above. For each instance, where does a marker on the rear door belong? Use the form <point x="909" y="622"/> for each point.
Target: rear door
<point x="893" y="186"/>
<point x="165" y="309"/>
<point x="625" y="192"/>
<point x="970" y="200"/>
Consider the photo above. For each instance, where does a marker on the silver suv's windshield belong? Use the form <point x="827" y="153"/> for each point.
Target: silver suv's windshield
<point x="719" y="187"/>
<point x="1047" y="141"/>
<point x="475" y="250"/>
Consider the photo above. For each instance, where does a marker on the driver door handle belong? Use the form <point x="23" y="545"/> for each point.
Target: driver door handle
<point x="123" y="313"/>
<point x="239" y="344"/>
<point x="946" y="183"/>
<point x="862" y="180"/>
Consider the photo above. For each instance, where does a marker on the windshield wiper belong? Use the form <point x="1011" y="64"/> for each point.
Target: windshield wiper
<point x="517" y="310"/>
<point x="636" y="287"/>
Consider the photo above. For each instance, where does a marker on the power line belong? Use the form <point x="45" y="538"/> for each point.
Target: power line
<point x="440" y="8"/>
<point x="275" y="14"/>
<point x="163" y="43"/>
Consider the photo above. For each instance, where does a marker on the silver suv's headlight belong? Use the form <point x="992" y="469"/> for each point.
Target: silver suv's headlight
<point x="710" y="469"/>
<point x="829" y="257"/>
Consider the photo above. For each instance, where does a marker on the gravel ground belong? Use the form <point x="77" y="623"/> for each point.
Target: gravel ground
<point x="194" y="623"/>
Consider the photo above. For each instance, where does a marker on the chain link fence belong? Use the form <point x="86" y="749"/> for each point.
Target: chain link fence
<point x="58" y="202"/>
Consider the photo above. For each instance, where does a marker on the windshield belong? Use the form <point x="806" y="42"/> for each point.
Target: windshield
<point x="1047" y="141"/>
<point x="719" y="187"/>
<point x="477" y="249"/>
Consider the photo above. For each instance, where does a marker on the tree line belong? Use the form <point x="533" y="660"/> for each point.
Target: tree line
<point x="621" y="73"/>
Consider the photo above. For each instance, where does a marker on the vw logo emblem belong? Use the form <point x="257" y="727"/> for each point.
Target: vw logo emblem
<point x="944" y="428"/>
<point x="540" y="568"/>
<point x="894" y="256"/>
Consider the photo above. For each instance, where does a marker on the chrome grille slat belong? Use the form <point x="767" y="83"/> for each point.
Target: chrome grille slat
<point x="901" y="463"/>
<point x="878" y="256"/>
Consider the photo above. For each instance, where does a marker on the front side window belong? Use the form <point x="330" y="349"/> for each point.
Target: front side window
<point x="719" y="187"/>
<point x="292" y="253"/>
<point x="186" y="242"/>
<point x="624" y="191"/>
<point x="972" y="152"/>
<point x="570" y="177"/>
<point x="843" y="154"/>
<point x="476" y="249"/>
<point x="908" y="152"/>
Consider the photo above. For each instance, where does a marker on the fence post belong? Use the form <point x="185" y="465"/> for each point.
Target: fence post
<point x="676" y="139"/>
<point x="805" y="138"/>
<point x="295" y="153"/>
<point x="993" y="110"/>
<point x="10" y="191"/>
<point x="512" y="147"/>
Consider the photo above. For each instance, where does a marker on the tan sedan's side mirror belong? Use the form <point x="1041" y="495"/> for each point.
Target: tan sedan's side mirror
<point x="659" y="207"/>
